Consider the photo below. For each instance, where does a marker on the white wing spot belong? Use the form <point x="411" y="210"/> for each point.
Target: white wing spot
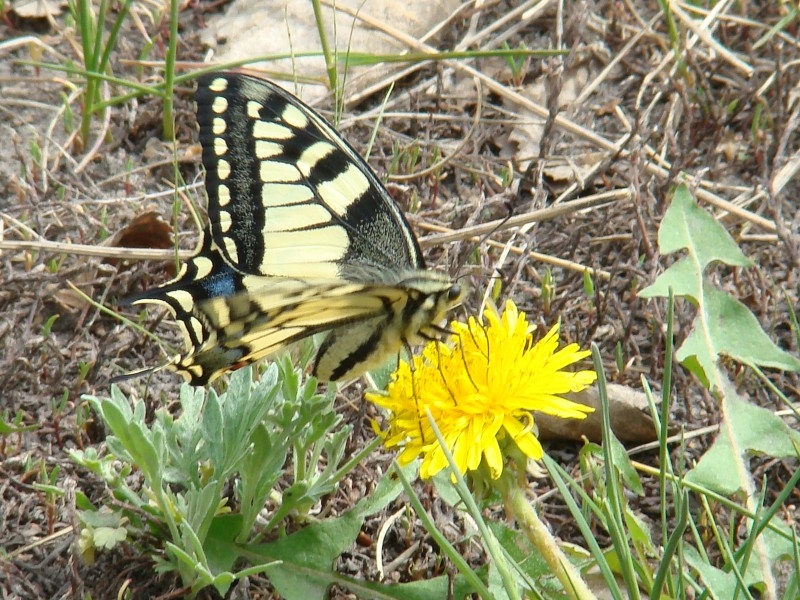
<point x="197" y="329"/>
<point x="295" y="117"/>
<point x="185" y="332"/>
<point x="320" y="245"/>
<point x="231" y="251"/>
<point x="312" y="155"/>
<point x="279" y="172"/>
<point x="220" y="310"/>
<point x="192" y="370"/>
<point x="339" y="193"/>
<point x="254" y="109"/>
<point x="223" y="169"/>
<point x="292" y="218"/>
<point x="220" y="146"/>
<point x="183" y="299"/>
<point x="288" y="263"/>
<point x="265" y="149"/>
<point x="223" y="195"/>
<point x="224" y="221"/>
<point x="264" y="130"/>
<point x="203" y="266"/>
<point x="219" y="85"/>
<point x="283" y="194"/>
<point x="218" y="126"/>
<point x="220" y="105"/>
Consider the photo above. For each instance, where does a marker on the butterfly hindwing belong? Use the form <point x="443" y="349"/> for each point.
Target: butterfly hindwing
<point x="230" y="320"/>
<point x="302" y="239"/>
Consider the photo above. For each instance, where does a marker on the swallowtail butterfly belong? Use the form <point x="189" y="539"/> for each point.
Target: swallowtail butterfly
<point x="302" y="238"/>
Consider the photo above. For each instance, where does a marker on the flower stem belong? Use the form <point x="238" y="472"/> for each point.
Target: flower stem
<point x="517" y="505"/>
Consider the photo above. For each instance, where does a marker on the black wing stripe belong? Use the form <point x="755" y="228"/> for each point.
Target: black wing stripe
<point x="361" y="354"/>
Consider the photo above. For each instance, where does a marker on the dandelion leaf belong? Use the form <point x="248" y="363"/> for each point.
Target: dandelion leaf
<point x="723" y="326"/>
<point x="687" y="226"/>
<point x="745" y="430"/>
<point x="731" y="329"/>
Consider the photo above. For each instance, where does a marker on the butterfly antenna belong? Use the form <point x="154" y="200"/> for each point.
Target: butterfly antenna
<point x="412" y="366"/>
<point x="464" y="357"/>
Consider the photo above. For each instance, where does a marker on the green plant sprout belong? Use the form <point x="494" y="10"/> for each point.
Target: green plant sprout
<point x="97" y="47"/>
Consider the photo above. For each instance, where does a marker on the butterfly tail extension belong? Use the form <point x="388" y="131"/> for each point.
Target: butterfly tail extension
<point x="135" y="374"/>
<point x="202" y="278"/>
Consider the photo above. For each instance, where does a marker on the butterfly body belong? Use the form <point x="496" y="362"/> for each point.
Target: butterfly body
<point x="302" y="238"/>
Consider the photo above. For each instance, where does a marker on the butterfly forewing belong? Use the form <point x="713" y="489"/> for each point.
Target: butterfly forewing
<point x="285" y="189"/>
<point x="302" y="238"/>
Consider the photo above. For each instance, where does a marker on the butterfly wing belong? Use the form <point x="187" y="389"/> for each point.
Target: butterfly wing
<point x="285" y="191"/>
<point x="230" y="319"/>
<point x="302" y="238"/>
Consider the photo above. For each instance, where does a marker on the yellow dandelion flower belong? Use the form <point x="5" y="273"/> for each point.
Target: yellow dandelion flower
<point x="480" y="389"/>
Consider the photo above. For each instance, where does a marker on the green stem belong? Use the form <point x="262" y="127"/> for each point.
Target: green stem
<point x="536" y="531"/>
<point x="168" y="119"/>
<point x="330" y="60"/>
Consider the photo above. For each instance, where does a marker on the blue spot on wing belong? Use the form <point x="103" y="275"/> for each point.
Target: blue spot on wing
<point x="225" y="282"/>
